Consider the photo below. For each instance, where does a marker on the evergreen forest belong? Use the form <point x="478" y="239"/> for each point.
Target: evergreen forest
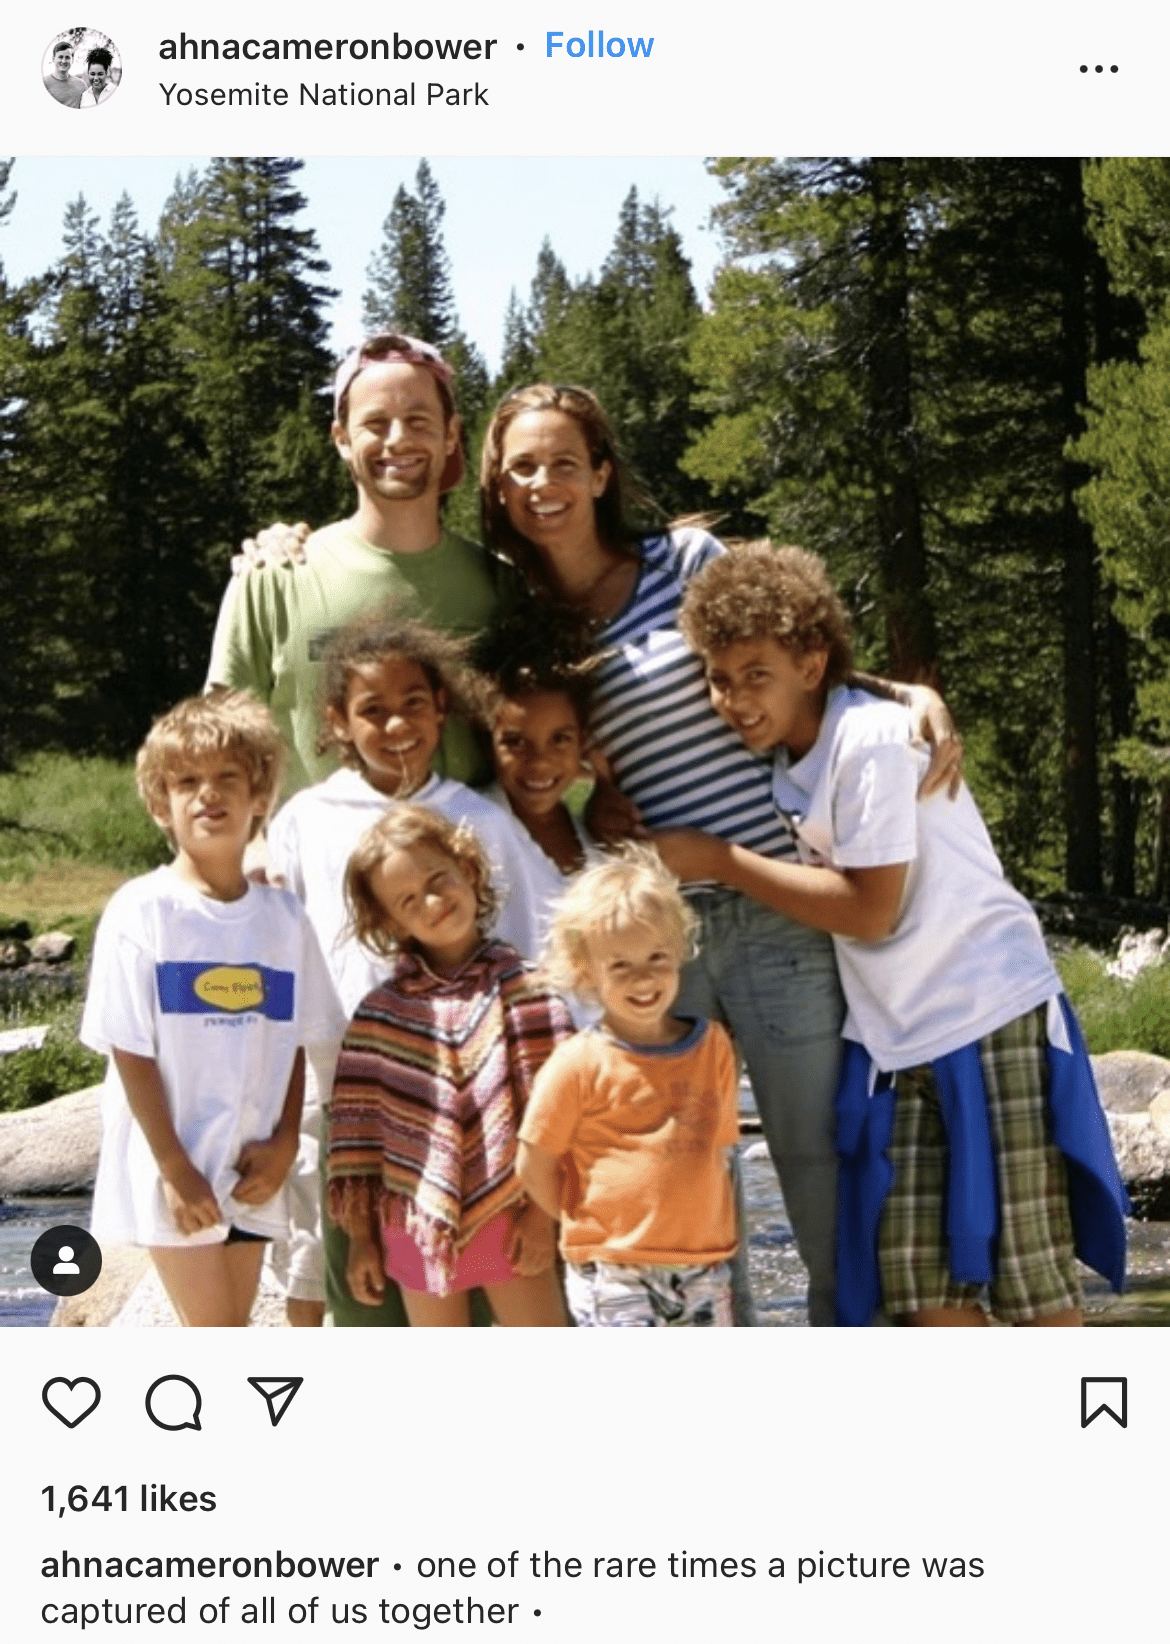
<point x="950" y="377"/>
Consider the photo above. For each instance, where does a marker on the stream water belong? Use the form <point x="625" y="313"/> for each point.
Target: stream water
<point x="776" y="1272"/>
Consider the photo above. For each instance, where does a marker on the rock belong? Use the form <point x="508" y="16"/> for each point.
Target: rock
<point x="36" y="980"/>
<point x="755" y="1150"/>
<point x="20" y="928"/>
<point x="124" y="1267"/>
<point x="1137" y="952"/>
<point x="1143" y="1158"/>
<point x="22" y="1038"/>
<point x="1135" y="1092"/>
<point x="149" y="1308"/>
<point x="129" y="1296"/>
<point x="53" y="947"/>
<point x="1129" y="1080"/>
<point x="13" y="955"/>
<point x="1160" y="1113"/>
<point x="1101" y="921"/>
<point x="52" y="1148"/>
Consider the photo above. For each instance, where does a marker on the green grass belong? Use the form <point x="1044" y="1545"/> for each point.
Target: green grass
<point x="62" y="1063"/>
<point x="83" y="812"/>
<point x="71" y="830"/>
<point x="1117" y="1015"/>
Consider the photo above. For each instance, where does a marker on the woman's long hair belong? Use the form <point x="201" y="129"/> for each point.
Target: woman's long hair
<point x="612" y="508"/>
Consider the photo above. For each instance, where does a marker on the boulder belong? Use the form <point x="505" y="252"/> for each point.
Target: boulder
<point x="1143" y="1157"/>
<point x="1160" y="1113"/>
<point x="1135" y="1092"/>
<point x="22" y="1038"/>
<point x="1137" y="951"/>
<point x="34" y="983"/>
<point x="129" y="1296"/>
<point x="1129" y="1080"/>
<point x="52" y="1148"/>
<point x="148" y="1307"/>
<point x="53" y="947"/>
<point x="124" y="1267"/>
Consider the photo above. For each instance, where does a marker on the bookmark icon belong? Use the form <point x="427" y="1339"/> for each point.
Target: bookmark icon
<point x="1108" y="1395"/>
<point x="278" y="1392"/>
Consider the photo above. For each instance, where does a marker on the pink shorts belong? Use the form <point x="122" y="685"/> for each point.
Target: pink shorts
<point x="482" y="1261"/>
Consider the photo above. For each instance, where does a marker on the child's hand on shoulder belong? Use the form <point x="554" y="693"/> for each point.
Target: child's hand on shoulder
<point x="609" y="816"/>
<point x="533" y="1244"/>
<point x="263" y="1167"/>
<point x="189" y="1197"/>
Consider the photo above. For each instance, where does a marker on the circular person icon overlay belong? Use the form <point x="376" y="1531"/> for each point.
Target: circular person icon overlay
<point x="81" y="68"/>
<point x="66" y="1260"/>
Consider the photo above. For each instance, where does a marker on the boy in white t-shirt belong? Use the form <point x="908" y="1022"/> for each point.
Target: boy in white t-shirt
<point x="974" y="1154"/>
<point x="204" y="991"/>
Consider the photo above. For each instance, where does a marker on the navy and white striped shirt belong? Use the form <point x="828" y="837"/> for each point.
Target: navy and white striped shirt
<point x="652" y="715"/>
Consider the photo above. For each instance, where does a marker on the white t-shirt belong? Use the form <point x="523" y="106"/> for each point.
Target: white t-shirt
<point x="544" y="886"/>
<point x="220" y="995"/>
<point x="544" y="883"/>
<point x="311" y="839"/>
<point x="967" y="954"/>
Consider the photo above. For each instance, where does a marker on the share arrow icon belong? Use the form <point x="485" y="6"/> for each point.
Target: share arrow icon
<point x="278" y="1392"/>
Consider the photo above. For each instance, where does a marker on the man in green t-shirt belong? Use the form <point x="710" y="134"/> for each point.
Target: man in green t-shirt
<point x="396" y="429"/>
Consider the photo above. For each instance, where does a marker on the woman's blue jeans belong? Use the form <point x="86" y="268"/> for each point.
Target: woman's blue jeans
<point x="773" y="984"/>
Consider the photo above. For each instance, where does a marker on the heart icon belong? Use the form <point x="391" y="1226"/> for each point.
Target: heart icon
<point x="71" y="1401"/>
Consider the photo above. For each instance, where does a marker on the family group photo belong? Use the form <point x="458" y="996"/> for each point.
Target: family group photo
<point x="586" y="744"/>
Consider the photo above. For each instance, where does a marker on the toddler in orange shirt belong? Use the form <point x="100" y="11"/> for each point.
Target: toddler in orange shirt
<point x="626" y="1134"/>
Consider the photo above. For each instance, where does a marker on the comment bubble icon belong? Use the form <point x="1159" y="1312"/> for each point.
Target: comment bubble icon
<point x="173" y="1403"/>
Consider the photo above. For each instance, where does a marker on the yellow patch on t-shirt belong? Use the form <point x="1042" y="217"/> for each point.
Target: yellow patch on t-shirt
<point x="231" y="987"/>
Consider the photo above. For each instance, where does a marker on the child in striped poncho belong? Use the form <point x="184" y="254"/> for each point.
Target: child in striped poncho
<point x="432" y="1082"/>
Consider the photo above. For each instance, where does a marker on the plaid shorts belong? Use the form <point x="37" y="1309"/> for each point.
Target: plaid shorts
<point x="621" y="1293"/>
<point x="1035" y="1268"/>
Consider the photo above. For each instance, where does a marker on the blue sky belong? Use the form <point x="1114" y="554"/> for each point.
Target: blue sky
<point x="498" y="211"/>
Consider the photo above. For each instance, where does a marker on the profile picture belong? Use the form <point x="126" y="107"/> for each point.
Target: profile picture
<point x="81" y="68"/>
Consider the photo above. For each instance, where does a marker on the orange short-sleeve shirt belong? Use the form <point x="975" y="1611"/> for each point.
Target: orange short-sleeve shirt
<point x="641" y="1133"/>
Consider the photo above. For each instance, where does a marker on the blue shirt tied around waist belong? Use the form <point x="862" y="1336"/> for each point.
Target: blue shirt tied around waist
<point x="865" y="1125"/>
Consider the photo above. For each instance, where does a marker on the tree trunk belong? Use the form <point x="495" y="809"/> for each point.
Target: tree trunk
<point x="911" y="639"/>
<point x="1082" y="788"/>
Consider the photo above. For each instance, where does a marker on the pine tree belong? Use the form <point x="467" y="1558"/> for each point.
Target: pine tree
<point x="518" y="357"/>
<point x="23" y="681"/>
<point x="410" y="273"/>
<point x="646" y="315"/>
<point x="894" y="364"/>
<point x="122" y="605"/>
<point x="626" y="333"/>
<point x="807" y="364"/>
<point x="7" y="199"/>
<point x="244" y="279"/>
<point x="164" y="397"/>
<point x="550" y="293"/>
<point x="1126" y="450"/>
